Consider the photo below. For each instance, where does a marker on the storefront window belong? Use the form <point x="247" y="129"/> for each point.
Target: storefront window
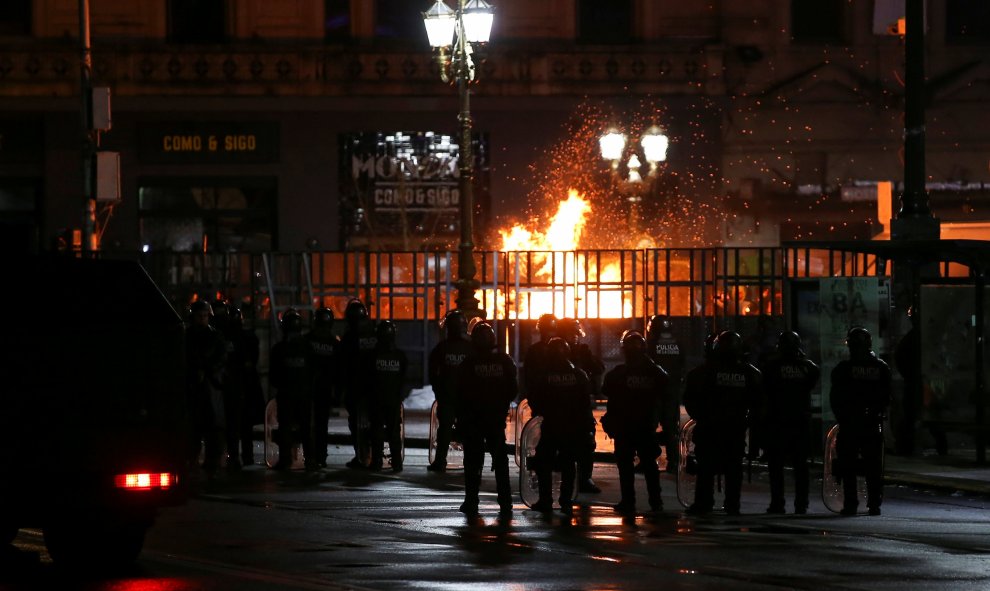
<point x="211" y="217"/>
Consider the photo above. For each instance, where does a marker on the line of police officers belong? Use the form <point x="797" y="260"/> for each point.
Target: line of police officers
<point x="562" y="379"/>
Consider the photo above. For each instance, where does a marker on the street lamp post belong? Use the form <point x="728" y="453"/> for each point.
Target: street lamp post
<point x="654" y="144"/>
<point x="453" y="34"/>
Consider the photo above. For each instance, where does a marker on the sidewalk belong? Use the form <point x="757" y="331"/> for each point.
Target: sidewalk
<point x="957" y="472"/>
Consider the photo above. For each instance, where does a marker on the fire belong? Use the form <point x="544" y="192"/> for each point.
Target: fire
<point x="563" y="281"/>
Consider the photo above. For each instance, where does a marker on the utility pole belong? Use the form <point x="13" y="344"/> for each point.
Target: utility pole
<point x="89" y="137"/>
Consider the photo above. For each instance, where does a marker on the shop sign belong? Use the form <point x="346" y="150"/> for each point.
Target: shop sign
<point x="208" y="143"/>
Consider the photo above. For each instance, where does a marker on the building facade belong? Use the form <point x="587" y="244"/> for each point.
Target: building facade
<point x="252" y="125"/>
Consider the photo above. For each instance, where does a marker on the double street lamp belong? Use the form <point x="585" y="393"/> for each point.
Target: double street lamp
<point x="654" y="144"/>
<point x="453" y="35"/>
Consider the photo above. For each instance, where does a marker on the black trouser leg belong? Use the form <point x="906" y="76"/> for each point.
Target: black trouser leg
<point x="568" y="471"/>
<point x="321" y="420"/>
<point x="393" y="431"/>
<point x="732" y="466"/>
<point x="445" y="428"/>
<point x="704" y="490"/>
<point x="872" y="451"/>
<point x="775" y="468"/>
<point x="545" y="455"/>
<point x="586" y="459"/>
<point x="474" y="460"/>
<point x="495" y="444"/>
<point x="847" y="448"/>
<point x="624" y="451"/>
<point x="232" y="419"/>
<point x="801" y="477"/>
<point x="647" y="449"/>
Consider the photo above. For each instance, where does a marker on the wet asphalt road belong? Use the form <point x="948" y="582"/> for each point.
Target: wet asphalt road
<point x="346" y="529"/>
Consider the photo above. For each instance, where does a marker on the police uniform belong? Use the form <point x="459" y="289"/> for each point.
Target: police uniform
<point x="788" y="382"/>
<point x="325" y="349"/>
<point x="291" y="376"/>
<point x="388" y="391"/>
<point x="206" y="353"/>
<point x="721" y="396"/>
<point x="357" y="348"/>
<point x="859" y="398"/>
<point x="635" y="392"/>
<point x="666" y="352"/>
<point x="562" y="396"/>
<point x="486" y="384"/>
<point x="444" y="361"/>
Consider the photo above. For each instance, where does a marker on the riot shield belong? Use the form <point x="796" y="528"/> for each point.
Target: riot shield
<point x="271" y="439"/>
<point x="687" y="468"/>
<point x="832" y="493"/>
<point x="529" y="488"/>
<point x="455" y="453"/>
<point x="523" y="415"/>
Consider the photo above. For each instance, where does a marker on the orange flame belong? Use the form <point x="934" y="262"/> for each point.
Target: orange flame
<point x="564" y="281"/>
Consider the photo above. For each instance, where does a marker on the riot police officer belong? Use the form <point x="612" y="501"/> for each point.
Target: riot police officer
<point x="246" y="351"/>
<point x="723" y="400"/>
<point x="563" y="398"/>
<point x="443" y="363"/>
<point x="635" y="392"/>
<point x="388" y="392"/>
<point x="325" y="348"/>
<point x="357" y="347"/>
<point x="788" y="377"/>
<point x="859" y="397"/>
<point x="535" y="361"/>
<point x="486" y="384"/>
<point x="584" y="359"/>
<point x="234" y="379"/>
<point x="206" y="355"/>
<point x="664" y="349"/>
<point x="291" y="377"/>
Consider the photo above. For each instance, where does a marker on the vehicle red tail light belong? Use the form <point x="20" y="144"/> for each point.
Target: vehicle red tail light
<point x="146" y="481"/>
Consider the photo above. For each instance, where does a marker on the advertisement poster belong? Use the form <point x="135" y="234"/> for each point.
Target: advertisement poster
<point x="845" y="302"/>
<point x="401" y="190"/>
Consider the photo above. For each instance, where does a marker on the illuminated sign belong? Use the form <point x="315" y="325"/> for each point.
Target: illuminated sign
<point x="208" y="143"/>
<point x="406" y="184"/>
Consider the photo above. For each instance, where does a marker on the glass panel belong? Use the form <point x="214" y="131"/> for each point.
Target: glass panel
<point x="967" y="21"/>
<point x="17" y="199"/>
<point x="15" y="17"/>
<point x="605" y="21"/>
<point x="401" y="19"/>
<point x="197" y="21"/>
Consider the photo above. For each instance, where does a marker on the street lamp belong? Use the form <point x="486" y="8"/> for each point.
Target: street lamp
<point x="654" y="143"/>
<point x="452" y="34"/>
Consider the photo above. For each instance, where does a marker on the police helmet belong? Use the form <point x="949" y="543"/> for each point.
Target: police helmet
<point x="558" y="350"/>
<point x="290" y="321"/>
<point x="454" y="324"/>
<point x="386" y="332"/>
<point x="483" y="337"/>
<point x="355" y="311"/>
<point x="200" y="306"/>
<point x="220" y="308"/>
<point x="657" y="324"/>
<point x="570" y="329"/>
<point x="858" y="340"/>
<point x="547" y="324"/>
<point x="728" y="346"/>
<point x="632" y="339"/>
<point x="789" y="343"/>
<point x="323" y="317"/>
